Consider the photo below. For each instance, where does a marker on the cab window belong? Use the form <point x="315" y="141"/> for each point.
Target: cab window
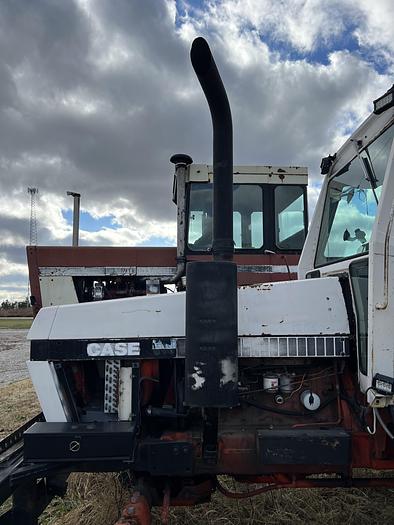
<point x="289" y="217"/>
<point x="359" y="279"/>
<point x="247" y="217"/>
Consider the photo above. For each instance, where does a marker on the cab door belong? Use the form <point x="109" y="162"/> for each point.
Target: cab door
<point x="381" y="285"/>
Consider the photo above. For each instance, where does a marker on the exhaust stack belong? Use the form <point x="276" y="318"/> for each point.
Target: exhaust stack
<point x="77" y="203"/>
<point x="211" y="358"/>
<point x="212" y="85"/>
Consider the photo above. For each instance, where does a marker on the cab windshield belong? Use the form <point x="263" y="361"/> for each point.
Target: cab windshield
<point x="351" y="203"/>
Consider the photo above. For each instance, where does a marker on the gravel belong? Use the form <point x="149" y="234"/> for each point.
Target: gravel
<point x="14" y="352"/>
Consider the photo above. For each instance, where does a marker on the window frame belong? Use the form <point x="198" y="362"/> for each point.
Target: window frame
<point x="362" y="360"/>
<point x="356" y="156"/>
<point x="340" y="259"/>
<point x="236" y="250"/>
<point x="304" y="190"/>
<point x="268" y="208"/>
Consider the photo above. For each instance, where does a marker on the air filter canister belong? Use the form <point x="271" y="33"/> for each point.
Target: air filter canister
<point x="270" y="383"/>
<point x="285" y="383"/>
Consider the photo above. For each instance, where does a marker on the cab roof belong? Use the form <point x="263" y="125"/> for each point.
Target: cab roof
<point x="252" y="174"/>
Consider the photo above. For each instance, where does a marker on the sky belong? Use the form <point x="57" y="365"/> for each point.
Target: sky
<point x="96" y="95"/>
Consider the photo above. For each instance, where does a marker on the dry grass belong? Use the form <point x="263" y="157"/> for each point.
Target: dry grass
<point x="90" y="499"/>
<point x="97" y="499"/>
<point x="18" y="403"/>
<point x="85" y="503"/>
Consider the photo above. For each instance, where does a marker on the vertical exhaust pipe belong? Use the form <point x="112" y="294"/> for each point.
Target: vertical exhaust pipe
<point x="215" y="93"/>
<point x="181" y="162"/>
<point x="211" y="358"/>
<point x="77" y="203"/>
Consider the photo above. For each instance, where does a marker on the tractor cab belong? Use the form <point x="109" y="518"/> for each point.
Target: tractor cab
<point x="269" y="207"/>
<point x="351" y="236"/>
<point x="269" y="222"/>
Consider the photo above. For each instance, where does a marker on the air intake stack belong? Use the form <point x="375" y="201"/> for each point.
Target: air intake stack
<point x="211" y="293"/>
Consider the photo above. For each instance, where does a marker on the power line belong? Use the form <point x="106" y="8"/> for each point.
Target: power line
<point x="33" y="224"/>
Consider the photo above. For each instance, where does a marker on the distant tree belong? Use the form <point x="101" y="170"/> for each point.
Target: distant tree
<point x="24" y="304"/>
<point x="7" y="305"/>
<point x="11" y="305"/>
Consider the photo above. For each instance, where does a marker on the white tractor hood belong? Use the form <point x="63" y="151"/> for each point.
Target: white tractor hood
<point x="313" y="307"/>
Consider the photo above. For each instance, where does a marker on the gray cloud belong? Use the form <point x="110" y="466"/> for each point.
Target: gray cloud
<point x="96" y="96"/>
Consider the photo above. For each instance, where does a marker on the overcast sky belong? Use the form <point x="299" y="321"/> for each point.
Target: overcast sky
<point x="95" y="96"/>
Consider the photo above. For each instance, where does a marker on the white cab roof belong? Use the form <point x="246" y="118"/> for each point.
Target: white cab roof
<point x="252" y="174"/>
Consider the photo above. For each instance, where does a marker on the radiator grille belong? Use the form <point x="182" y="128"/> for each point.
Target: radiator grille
<point x="311" y="346"/>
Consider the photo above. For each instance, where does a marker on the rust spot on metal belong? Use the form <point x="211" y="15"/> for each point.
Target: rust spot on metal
<point x="258" y="286"/>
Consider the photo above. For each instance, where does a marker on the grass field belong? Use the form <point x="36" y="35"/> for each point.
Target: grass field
<point x="84" y="503"/>
<point x="15" y="323"/>
<point x="96" y="499"/>
<point x="18" y="403"/>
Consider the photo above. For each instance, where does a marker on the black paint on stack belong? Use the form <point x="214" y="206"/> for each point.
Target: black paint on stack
<point x="211" y="286"/>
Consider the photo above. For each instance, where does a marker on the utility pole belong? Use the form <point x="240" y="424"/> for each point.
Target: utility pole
<point x="77" y="200"/>
<point x="33" y="216"/>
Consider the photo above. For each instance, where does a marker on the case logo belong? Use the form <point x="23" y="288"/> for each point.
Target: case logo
<point x="118" y="349"/>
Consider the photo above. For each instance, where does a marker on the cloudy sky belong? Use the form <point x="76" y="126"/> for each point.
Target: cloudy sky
<point x="96" y="95"/>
